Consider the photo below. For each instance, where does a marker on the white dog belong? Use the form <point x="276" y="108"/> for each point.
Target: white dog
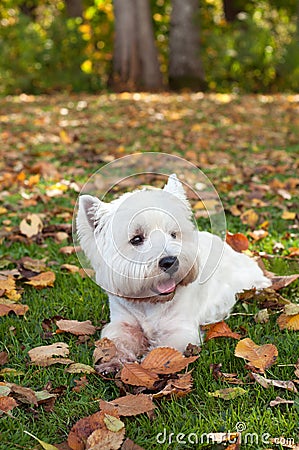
<point x="164" y="278"/>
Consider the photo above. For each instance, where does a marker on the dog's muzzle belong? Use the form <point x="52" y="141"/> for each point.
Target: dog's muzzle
<point x="169" y="264"/>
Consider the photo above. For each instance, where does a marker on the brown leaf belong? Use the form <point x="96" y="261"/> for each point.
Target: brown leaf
<point x="79" y="433"/>
<point x="166" y="360"/>
<point x="249" y="217"/>
<point x="23" y="394"/>
<point x="129" y="405"/>
<point x="75" y="327"/>
<point x="281" y="401"/>
<point x="31" y="226"/>
<point x="8" y="288"/>
<point x="3" y="358"/>
<point x="134" y="374"/>
<point x="128" y="444"/>
<point x="69" y="250"/>
<point x="70" y="268"/>
<point x="288" y="322"/>
<point x="43" y="356"/>
<point x="35" y="265"/>
<point x="105" y="350"/>
<point x="19" y="310"/>
<point x="221" y="329"/>
<point x="237" y="241"/>
<point x="104" y="439"/>
<point x="257" y="235"/>
<point x="177" y="387"/>
<point x="7" y="404"/>
<point x="44" y="279"/>
<point x="279" y="282"/>
<point x="260" y="357"/>
<point x="266" y="382"/>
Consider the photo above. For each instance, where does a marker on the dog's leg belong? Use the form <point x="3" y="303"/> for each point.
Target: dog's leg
<point x="130" y="343"/>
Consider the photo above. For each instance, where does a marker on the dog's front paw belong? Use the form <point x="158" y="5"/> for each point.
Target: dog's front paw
<point x="111" y="367"/>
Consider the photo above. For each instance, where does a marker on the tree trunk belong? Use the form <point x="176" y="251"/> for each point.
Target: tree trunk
<point x="231" y="9"/>
<point x="135" y="58"/>
<point x="185" y="67"/>
<point x="74" y="8"/>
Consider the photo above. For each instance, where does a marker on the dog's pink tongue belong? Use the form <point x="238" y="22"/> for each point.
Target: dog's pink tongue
<point x="166" y="287"/>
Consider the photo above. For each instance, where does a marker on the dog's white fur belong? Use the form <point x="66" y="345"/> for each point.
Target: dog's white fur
<point x="209" y="276"/>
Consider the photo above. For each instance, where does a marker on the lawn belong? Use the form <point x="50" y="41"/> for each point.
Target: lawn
<point x="248" y="146"/>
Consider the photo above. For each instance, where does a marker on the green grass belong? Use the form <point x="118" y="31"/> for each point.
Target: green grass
<point x="75" y="298"/>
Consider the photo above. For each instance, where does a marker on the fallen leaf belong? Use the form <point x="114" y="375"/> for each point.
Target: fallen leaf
<point x="228" y="377"/>
<point x="19" y="310"/>
<point x="257" y="235"/>
<point x="104" y="439"/>
<point x="44" y="279"/>
<point x="281" y="401"/>
<point x="113" y="423"/>
<point x="128" y="444"/>
<point x="249" y="217"/>
<point x="177" y="387"/>
<point x="75" y="327"/>
<point x="23" y="394"/>
<point x="220" y="329"/>
<point x="70" y="268"/>
<point x="136" y="375"/>
<point x="7" y="404"/>
<point x="237" y="241"/>
<point x="279" y="282"/>
<point x="83" y="429"/>
<point x="260" y="357"/>
<point x="266" y="383"/>
<point x="79" y="368"/>
<point x="129" y="405"/>
<point x="288" y="322"/>
<point x="31" y="225"/>
<point x="166" y="360"/>
<point x="36" y="265"/>
<point x="105" y="350"/>
<point x="69" y="250"/>
<point x="42" y="443"/>
<point x="262" y="316"/>
<point x="43" y="355"/>
<point x="3" y="358"/>
<point x="288" y="215"/>
<point x="228" y="393"/>
<point x="8" y="288"/>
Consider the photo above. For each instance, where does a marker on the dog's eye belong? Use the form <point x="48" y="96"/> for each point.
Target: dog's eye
<point x="173" y="235"/>
<point x="137" y="240"/>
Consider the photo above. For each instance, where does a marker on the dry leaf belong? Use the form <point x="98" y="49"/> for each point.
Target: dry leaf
<point x="166" y="360"/>
<point x="83" y="428"/>
<point x="178" y="387"/>
<point x="45" y="445"/>
<point x="113" y="423"/>
<point x="260" y="357"/>
<point x="43" y="356"/>
<point x="129" y="405"/>
<point x="281" y="401"/>
<point x="249" y="217"/>
<point x="257" y="235"/>
<point x="7" y="404"/>
<point x="288" y="215"/>
<point x="19" y="310"/>
<point x="8" y="288"/>
<point x="79" y="368"/>
<point x="36" y="265"/>
<point x="104" y="439"/>
<point x="262" y="316"/>
<point x="105" y="350"/>
<point x="237" y="241"/>
<point x="228" y="393"/>
<point x="279" y="282"/>
<point x="69" y="250"/>
<point x="128" y="444"/>
<point x="31" y="226"/>
<point x="3" y="358"/>
<point x="75" y="327"/>
<point x="70" y="268"/>
<point x="23" y="394"/>
<point x="266" y="382"/>
<point x="288" y="322"/>
<point x="44" y="279"/>
<point x="134" y="374"/>
<point x="220" y="329"/>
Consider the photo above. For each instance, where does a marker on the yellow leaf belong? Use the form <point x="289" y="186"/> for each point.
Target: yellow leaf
<point x="288" y="215"/>
<point x="113" y="423"/>
<point x="31" y="226"/>
<point x="3" y="210"/>
<point x="86" y="66"/>
<point x="42" y="443"/>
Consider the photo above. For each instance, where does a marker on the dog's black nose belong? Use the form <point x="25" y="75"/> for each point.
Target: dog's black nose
<point x="169" y="264"/>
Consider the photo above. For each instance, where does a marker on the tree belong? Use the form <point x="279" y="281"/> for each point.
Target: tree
<point x="185" y="67"/>
<point x="135" y="57"/>
<point x="232" y="8"/>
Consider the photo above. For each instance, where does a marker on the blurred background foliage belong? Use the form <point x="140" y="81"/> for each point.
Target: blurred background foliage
<point x="43" y="50"/>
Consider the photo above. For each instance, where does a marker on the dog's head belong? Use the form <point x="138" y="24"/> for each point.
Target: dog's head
<point x="143" y="245"/>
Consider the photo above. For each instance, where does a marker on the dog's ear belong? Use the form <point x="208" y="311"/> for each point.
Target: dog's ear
<point x="175" y="187"/>
<point x="88" y="210"/>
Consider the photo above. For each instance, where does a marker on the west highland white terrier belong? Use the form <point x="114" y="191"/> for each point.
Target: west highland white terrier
<point x="164" y="278"/>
